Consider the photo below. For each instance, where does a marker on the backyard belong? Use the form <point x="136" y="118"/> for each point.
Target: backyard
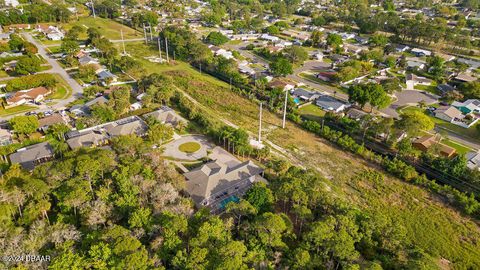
<point x="311" y="112"/>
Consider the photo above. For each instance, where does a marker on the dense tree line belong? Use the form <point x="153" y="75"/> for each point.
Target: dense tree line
<point x="36" y="13"/>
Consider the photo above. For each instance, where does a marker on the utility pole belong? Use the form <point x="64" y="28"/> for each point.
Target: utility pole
<point x="285" y="109"/>
<point x="123" y="42"/>
<point x="260" y="125"/>
<point x="166" y="49"/>
<point x="159" y="49"/>
<point x="150" y="27"/>
<point x="93" y="8"/>
<point x="145" y="34"/>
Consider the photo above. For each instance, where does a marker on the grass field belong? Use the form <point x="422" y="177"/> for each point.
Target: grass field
<point x="431" y="224"/>
<point x="189" y="147"/>
<point x="311" y="112"/>
<point x="16" y="109"/>
<point x="109" y="28"/>
<point x="461" y="149"/>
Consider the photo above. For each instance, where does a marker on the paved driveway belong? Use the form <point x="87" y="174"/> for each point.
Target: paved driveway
<point x="409" y="97"/>
<point x="172" y="151"/>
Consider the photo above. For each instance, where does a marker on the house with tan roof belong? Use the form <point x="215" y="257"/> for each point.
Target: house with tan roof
<point x="448" y="113"/>
<point x="166" y="115"/>
<point x="36" y="94"/>
<point x="428" y="142"/>
<point x="88" y="138"/>
<point x="45" y="122"/>
<point x="216" y="183"/>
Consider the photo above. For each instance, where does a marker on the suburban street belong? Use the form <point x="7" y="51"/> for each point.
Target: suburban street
<point x="76" y="88"/>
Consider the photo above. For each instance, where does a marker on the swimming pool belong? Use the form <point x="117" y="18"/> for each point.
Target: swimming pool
<point x="227" y="200"/>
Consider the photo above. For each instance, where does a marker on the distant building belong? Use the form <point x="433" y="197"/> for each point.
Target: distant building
<point x="465" y="77"/>
<point x="88" y="138"/>
<point x="46" y="122"/>
<point x="5" y="137"/>
<point x="126" y="126"/>
<point x="412" y="80"/>
<point x="468" y="106"/>
<point x="32" y="155"/>
<point x="304" y="95"/>
<point x="420" y="52"/>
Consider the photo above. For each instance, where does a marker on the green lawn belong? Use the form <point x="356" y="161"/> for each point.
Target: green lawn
<point x="109" y="28"/>
<point x="189" y="147"/>
<point x="61" y="93"/>
<point x="428" y="88"/>
<point x="16" y="109"/>
<point x="460" y="148"/>
<point x="311" y="112"/>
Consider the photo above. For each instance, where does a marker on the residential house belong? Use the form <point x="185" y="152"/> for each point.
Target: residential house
<point x="355" y="114"/>
<point x="87" y="60"/>
<point x="50" y="31"/>
<point x="5" y="137"/>
<point x="331" y="104"/>
<point x="420" y="52"/>
<point x="270" y="38"/>
<point x="412" y="64"/>
<point x="354" y="49"/>
<point x="473" y="160"/>
<point x="303" y="95"/>
<point x="10" y="65"/>
<point x="166" y="115"/>
<point x="31" y="95"/>
<point x="428" y="142"/>
<point x="45" y="122"/>
<point x="12" y="3"/>
<point x="346" y="36"/>
<point x="361" y="40"/>
<point x="87" y="138"/>
<point x="10" y="54"/>
<point x="465" y="77"/>
<point x="219" y="182"/>
<point x="84" y="109"/>
<point x="445" y="88"/>
<point x="126" y="126"/>
<point x="302" y="36"/>
<point x="401" y="48"/>
<point x="281" y="84"/>
<point x="468" y="106"/>
<point x="448" y="113"/>
<point x="412" y="80"/>
<point x="20" y="26"/>
<point x="326" y="76"/>
<point x="106" y="76"/>
<point x="32" y="155"/>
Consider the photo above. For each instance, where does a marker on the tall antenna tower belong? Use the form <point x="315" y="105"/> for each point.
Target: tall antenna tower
<point x="285" y="109"/>
<point x="123" y="42"/>
<point x="260" y="124"/>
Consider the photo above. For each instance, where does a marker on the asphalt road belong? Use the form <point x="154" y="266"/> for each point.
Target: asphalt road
<point x="409" y="97"/>
<point x="77" y="89"/>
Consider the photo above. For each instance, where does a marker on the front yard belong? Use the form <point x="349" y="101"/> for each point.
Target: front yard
<point x="15" y="110"/>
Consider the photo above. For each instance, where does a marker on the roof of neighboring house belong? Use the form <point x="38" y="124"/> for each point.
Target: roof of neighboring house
<point x="104" y="74"/>
<point x="355" y="113"/>
<point x="473" y="160"/>
<point x="51" y="120"/>
<point x="465" y="77"/>
<point x="416" y="78"/>
<point x="28" y="155"/>
<point x="85" y="139"/>
<point x="85" y="59"/>
<point x="86" y="107"/>
<point x="28" y="94"/>
<point x="166" y="115"/>
<point x="468" y="105"/>
<point x="449" y="111"/>
<point x="215" y="177"/>
<point x="428" y="141"/>
<point x="330" y="103"/>
<point x="304" y="94"/>
<point x="444" y="88"/>
<point x="279" y="84"/>
<point x="127" y="126"/>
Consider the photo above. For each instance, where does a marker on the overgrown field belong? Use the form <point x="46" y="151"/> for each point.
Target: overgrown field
<point x="431" y="223"/>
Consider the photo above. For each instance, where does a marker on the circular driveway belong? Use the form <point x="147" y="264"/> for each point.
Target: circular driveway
<point x="171" y="149"/>
<point x="409" y="97"/>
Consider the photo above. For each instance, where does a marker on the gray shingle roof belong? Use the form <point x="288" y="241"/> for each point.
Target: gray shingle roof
<point x="31" y="155"/>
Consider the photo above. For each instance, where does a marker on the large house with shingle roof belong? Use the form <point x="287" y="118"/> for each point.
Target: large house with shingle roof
<point x="216" y="183"/>
<point x="36" y="94"/>
<point x="166" y="115"/>
<point x="32" y="155"/>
